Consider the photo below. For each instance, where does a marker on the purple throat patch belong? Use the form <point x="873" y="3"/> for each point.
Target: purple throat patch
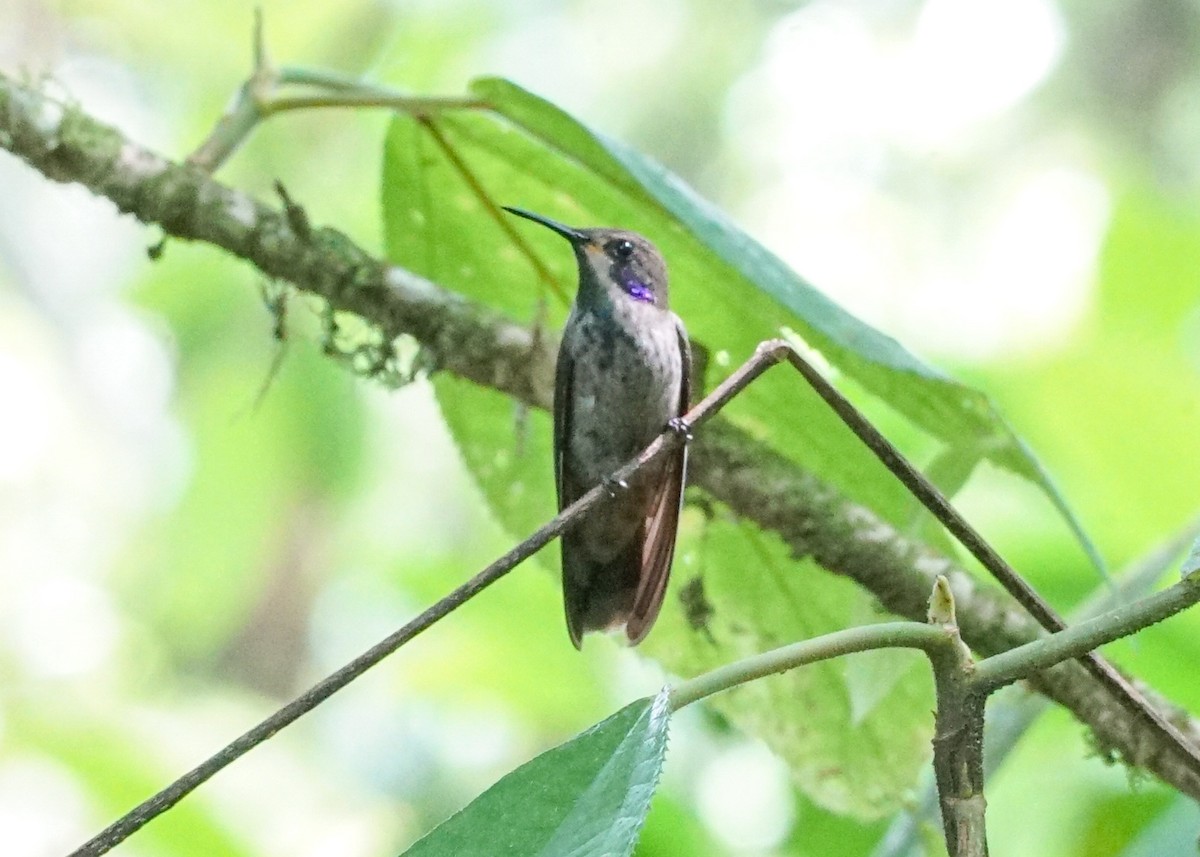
<point x="638" y="290"/>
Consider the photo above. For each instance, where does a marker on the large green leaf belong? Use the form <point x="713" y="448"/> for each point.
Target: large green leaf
<point x="588" y="796"/>
<point x="445" y="175"/>
<point x="735" y="265"/>
<point x="437" y="225"/>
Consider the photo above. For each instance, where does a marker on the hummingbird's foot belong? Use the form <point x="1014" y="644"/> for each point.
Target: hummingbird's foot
<point x="681" y="427"/>
<point x="614" y="486"/>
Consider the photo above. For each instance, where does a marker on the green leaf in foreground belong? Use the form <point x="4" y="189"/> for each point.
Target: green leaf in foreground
<point x="588" y="796"/>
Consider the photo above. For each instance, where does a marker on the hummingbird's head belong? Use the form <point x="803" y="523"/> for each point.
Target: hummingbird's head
<point x="620" y="262"/>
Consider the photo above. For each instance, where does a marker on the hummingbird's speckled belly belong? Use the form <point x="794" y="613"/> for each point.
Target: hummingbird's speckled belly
<point x="624" y="392"/>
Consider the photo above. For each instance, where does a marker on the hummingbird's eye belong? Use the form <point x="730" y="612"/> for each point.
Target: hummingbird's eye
<point x="622" y="249"/>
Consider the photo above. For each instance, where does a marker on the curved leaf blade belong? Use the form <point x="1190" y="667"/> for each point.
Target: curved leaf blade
<point x="586" y="797"/>
<point x="943" y="407"/>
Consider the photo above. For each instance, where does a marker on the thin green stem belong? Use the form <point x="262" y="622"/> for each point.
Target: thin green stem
<point x="1023" y="661"/>
<point x="367" y="98"/>
<point x="906" y="635"/>
<point x="332" y="80"/>
<point x="259" y="98"/>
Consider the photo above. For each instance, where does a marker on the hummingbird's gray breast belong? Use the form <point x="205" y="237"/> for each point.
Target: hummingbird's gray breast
<point x="626" y="385"/>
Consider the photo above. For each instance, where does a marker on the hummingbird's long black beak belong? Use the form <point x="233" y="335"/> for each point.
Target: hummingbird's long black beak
<point x="572" y="235"/>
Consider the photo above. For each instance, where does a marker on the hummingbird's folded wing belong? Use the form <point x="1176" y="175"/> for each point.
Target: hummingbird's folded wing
<point x="566" y="488"/>
<point x="662" y="519"/>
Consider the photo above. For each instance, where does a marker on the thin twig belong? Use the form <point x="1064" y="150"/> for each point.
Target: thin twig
<point x="906" y="635"/>
<point x="417" y="105"/>
<point x="258" y="98"/>
<point x="1023" y="661"/>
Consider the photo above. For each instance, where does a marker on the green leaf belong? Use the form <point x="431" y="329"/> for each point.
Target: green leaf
<point x="444" y="177"/>
<point x="587" y="796"/>
<point x="437" y="225"/>
<point x="735" y="265"/>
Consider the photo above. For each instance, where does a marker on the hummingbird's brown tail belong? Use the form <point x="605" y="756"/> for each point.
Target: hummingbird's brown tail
<point x="599" y="596"/>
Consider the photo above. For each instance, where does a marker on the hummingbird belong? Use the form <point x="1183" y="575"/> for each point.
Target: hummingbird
<point x="623" y="376"/>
